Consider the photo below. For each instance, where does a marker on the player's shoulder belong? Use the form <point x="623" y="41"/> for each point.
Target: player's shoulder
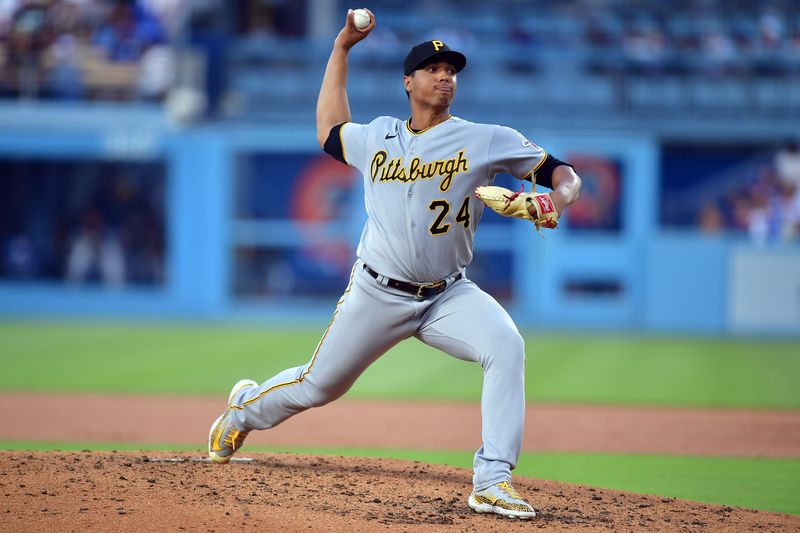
<point x="475" y="128"/>
<point x="502" y="130"/>
<point x="383" y="122"/>
<point x="378" y="127"/>
<point x="495" y="134"/>
<point x="505" y="133"/>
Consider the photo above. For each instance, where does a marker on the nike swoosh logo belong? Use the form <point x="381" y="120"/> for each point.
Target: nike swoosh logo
<point x="390" y="136"/>
<point x="217" y="434"/>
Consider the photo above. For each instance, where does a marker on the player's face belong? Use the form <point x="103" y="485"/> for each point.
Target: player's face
<point x="434" y="84"/>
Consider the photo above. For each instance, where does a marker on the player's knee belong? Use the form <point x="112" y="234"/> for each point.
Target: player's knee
<point x="509" y="348"/>
<point x="516" y="348"/>
<point x="318" y="396"/>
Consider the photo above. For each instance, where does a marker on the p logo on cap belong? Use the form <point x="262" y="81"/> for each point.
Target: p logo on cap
<point x="427" y="52"/>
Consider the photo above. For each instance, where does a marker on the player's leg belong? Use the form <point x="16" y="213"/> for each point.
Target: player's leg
<point x="364" y="326"/>
<point x="467" y="323"/>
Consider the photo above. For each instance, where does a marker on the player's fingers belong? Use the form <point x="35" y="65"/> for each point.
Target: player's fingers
<point x="371" y="20"/>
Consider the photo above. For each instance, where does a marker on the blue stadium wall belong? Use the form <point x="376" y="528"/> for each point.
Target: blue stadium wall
<point x="634" y="276"/>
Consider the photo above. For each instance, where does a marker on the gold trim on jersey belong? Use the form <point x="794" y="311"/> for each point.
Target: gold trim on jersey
<point x="384" y="169"/>
<point x="539" y="164"/>
<point x="420" y="132"/>
<point x="341" y="141"/>
<point x="313" y="357"/>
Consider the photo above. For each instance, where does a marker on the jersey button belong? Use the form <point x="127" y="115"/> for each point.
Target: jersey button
<point x="413" y="224"/>
<point x="410" y="194"/>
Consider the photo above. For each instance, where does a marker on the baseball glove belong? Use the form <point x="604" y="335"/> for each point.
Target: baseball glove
<point x="515" y="204"/>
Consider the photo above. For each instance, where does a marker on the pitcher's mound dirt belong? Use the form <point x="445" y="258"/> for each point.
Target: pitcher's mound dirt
<point x="162" y="491"/>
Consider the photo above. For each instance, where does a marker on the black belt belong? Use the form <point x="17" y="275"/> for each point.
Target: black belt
<point x="423" y="290"/>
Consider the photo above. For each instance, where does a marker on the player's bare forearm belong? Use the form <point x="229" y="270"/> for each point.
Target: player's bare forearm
<point x="332" y="105"/>
<point x="566" y="188"/>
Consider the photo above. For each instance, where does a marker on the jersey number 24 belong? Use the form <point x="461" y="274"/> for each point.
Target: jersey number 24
<point x="443" y="206"/>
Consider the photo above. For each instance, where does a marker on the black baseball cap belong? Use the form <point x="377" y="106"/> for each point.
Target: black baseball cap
<point x="425" y="53"/>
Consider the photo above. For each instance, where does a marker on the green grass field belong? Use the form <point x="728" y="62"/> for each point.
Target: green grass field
<point x="205" y="359"/>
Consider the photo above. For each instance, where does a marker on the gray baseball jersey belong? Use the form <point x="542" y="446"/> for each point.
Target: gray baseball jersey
<point x="422" y="216"/>
<point x="419" y="190"/>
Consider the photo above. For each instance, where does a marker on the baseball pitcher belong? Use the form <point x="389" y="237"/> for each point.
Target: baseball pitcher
<point x="426" y="180"/>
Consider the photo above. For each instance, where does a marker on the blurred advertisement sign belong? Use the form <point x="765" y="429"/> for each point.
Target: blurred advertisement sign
<point x="599" y="206"/>
<point x="765" y="290"/>
<point x="298" y="218"/>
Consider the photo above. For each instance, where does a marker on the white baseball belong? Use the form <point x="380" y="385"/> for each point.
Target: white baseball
<point x="360" y="19"/>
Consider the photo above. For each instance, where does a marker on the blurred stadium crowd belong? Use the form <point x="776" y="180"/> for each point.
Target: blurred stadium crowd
<point x="720" y="37"/>
<point x="703" y="37"/>
<point x="94" y="49"/>
<point x="120" y="48"/>
<point x="763" y="201"/>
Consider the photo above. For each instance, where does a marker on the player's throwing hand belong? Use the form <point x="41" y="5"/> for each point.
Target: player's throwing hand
<point x="350" y="34"/>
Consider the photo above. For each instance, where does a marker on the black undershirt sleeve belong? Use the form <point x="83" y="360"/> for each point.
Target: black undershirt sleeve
<point x="544" y="174"/>
<point x="333" y="144"/>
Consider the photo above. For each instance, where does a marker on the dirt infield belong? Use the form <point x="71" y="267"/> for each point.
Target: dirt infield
<point x="182" y="492"/>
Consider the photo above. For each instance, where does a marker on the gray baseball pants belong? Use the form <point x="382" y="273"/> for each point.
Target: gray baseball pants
<point x="370" y="318"/>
